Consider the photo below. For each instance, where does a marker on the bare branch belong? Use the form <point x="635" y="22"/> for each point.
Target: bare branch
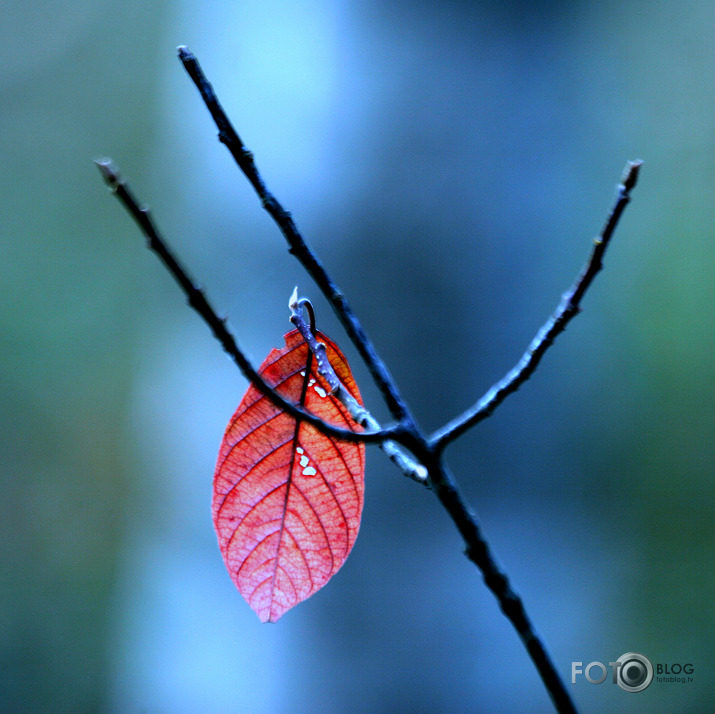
<point x="408" y="465"/>
<point x="428" y="467"/>
<point x="297" y="245"/>
<point x="198" y="301"/>
<point x="479" y="552"/>
<point x="568" y="308"/>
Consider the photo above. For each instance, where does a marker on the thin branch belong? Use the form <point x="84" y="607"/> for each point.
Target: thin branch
<point x="297" y="245"/>
<point x="409" y="467"/>
<point x="567" y="309"/>
<point x="197" y="300"/>
<point x="479" y="552"/>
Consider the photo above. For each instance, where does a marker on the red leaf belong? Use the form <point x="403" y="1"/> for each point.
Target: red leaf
<point x="287" y="499"/>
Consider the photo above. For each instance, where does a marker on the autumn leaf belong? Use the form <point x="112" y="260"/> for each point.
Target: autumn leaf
<point x="287" y="499"/>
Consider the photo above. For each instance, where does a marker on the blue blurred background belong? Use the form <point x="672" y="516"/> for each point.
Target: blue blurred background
<point x="450" y="162"/>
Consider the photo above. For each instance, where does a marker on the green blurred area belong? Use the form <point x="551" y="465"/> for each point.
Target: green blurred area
<point x="78" y="79"/>
<point x="450" y="164"/>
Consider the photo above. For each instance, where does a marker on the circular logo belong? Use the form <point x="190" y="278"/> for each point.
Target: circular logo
<point x="635" y="672"/>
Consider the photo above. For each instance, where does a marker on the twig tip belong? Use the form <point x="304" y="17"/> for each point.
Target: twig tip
<point x="293" y="302"/>
<point x="184" y="53"/>
<point x="630" y="174"/>
<point x="109" y="171"/>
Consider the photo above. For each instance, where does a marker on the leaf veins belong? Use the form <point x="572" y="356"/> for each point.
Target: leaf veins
<point x="287" y="499"/>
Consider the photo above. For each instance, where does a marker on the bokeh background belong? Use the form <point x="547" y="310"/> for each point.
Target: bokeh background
<point x="450" y="162"/>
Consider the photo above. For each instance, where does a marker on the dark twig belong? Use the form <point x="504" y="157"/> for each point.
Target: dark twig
<point x="297" y="245"/>
<point x="568" y="308"/>
<point x="197" y="300"/>
<point x="479" y="552"/>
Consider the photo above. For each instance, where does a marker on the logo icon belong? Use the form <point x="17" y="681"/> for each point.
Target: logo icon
<point x="634" y="672"/>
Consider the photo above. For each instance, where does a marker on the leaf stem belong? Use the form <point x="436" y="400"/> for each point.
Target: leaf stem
<point x="408" y="465"/>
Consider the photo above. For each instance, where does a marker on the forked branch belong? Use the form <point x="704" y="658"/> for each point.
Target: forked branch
<point x="428" y="467"/>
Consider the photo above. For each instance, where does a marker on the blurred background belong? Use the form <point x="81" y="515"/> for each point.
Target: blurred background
<point x="450" y="163"/>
